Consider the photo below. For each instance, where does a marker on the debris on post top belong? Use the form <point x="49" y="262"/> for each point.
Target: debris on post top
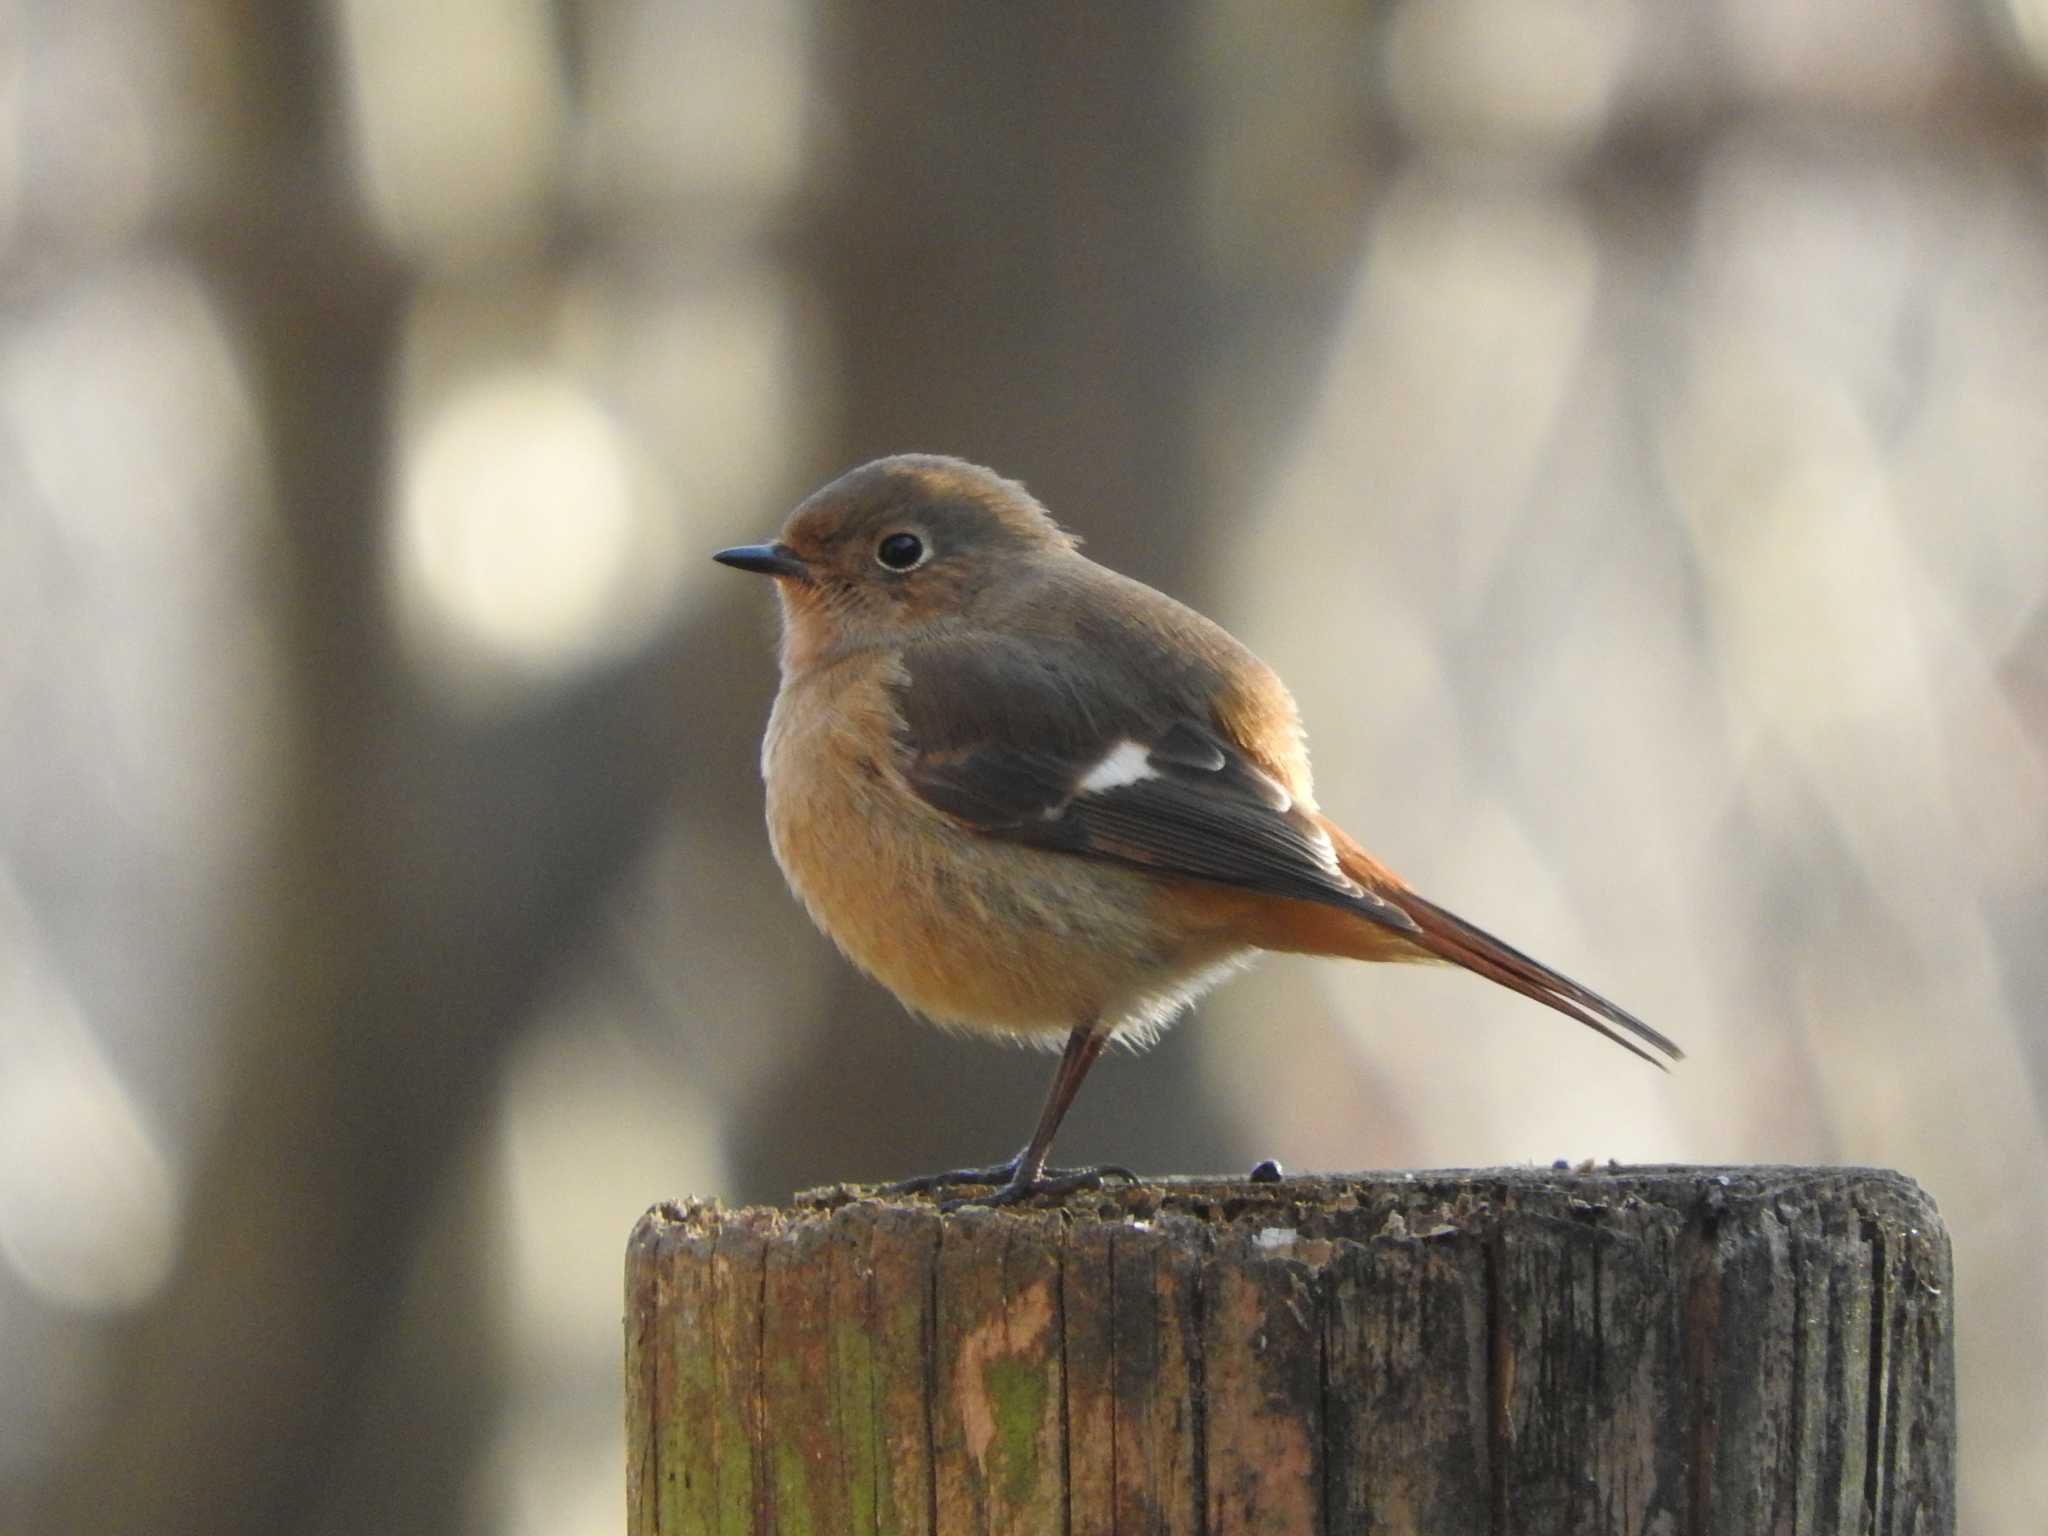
<point x="1679" y="1350"/>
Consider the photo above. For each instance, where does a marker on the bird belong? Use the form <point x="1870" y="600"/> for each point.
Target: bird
<point x="1037" y="799"/>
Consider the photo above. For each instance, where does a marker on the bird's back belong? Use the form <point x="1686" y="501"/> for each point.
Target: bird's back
<point x="1143" y="650"/>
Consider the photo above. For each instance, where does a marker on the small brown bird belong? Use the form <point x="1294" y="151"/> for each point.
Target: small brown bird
<point x="1036" y="798"/>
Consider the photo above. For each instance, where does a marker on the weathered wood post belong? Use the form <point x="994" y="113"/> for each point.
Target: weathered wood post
<point x="1665" y="1350"/>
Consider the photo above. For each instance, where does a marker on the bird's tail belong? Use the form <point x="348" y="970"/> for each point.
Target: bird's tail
<point x="1444" y="935"/>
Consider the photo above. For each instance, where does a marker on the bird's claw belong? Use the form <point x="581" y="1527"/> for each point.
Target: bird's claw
<point x="1050" y="1181"/>
<point x="997" y="1174"/>
<point x="1004" y="1184"/>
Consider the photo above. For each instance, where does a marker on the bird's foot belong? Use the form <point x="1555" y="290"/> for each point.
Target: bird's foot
<point x="1048" y="1181"/>
<point x="1006" y="1184"/>
<point x="999" y="1173"/>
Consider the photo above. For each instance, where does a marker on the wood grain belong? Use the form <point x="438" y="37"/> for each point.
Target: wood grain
<point x="1674" y="1350"/>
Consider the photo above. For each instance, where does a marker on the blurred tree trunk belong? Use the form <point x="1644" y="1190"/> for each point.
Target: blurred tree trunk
<point x="425" y="877"/>
<point x="1016" y="281"/>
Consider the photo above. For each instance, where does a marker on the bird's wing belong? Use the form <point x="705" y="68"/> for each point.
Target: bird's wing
<point x="1034" y="747"/>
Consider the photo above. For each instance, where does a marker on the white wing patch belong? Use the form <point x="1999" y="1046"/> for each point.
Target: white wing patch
<point x="1125" y="764"/>
<point x="1276" y="795"/>
<point x="1326" y="849"/>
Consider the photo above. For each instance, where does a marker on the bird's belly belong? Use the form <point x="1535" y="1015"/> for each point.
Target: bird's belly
<point x="973" y="932"/>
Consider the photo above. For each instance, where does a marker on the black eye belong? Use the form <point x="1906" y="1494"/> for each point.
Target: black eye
<point x="901" y="551"/>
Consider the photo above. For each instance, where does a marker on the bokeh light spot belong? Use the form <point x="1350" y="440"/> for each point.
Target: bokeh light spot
<point x="525" y="547"/>
<point x="89" y="1212"/>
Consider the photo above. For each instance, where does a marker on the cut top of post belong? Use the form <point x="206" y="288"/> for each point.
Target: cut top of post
<point x="1636" y="1349"/>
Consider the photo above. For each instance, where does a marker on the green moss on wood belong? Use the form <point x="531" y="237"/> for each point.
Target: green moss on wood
<point x="1016" y="1391"/>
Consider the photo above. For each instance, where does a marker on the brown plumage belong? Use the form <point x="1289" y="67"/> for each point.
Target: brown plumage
<point x="1031" y="796"/>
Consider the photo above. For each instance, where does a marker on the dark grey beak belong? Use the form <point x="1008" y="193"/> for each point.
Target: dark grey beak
<point x="766" y="559"/>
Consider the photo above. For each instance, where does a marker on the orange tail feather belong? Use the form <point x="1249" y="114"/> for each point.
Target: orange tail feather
<point x="1446" y="936"/>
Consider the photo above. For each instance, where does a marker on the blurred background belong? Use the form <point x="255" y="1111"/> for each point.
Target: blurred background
<point x="1625" y="422"/>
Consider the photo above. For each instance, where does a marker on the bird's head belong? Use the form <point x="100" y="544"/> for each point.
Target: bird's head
<point x="900" y="547"/>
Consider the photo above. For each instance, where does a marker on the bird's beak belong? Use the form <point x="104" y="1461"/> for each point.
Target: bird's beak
<point x="766" y="559"/>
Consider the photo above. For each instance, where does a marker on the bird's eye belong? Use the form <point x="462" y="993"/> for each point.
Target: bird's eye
<point x="901" y="551"/>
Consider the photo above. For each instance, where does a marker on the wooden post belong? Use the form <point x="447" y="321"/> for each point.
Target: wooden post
<point x="1666" y="1350"/>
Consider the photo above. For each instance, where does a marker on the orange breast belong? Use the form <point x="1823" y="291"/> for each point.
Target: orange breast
<point x="964" y="929"/>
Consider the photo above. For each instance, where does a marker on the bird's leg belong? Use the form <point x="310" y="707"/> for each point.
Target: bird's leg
<point x="1026" y="1173"/>
<point x="1084" y="1044"/>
